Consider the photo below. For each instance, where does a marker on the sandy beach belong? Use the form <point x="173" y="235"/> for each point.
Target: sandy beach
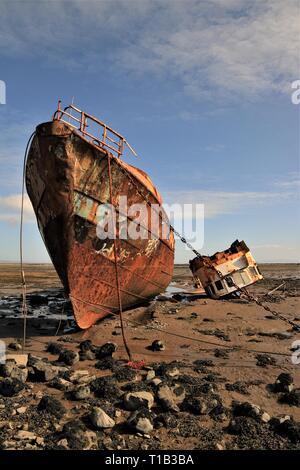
<point x="219" y="363"/>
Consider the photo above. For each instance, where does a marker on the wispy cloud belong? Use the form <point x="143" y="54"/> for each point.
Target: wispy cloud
<point x="228" y="202"/>
<point x="230" y="49"/>
<point x="214" y="148"/>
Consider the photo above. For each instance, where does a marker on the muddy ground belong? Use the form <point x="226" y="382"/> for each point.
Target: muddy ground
<point x="219" y="359"/>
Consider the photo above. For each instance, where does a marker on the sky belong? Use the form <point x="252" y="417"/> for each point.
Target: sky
<point x="201" y="89"/>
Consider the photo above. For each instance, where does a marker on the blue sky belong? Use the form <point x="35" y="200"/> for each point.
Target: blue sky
<point x="201" y="89"/>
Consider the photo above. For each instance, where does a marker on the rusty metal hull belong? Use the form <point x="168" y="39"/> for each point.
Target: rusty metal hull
<point x="67" y="181"/>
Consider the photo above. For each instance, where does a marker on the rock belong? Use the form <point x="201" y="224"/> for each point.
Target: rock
<point x="150" y="375"/>
<point x="20" y="359"/>
<point x="100" y="419"/>
<point x="81" y="392"/>
<point x="52" y="406"/>
<point x="10" y="387"/>
<point x="106" y="350"/>
<point x="265" y="417"/>
<point x="105" y="363"/>
<point x="135" y="400"/>
<point x="289" y="429"/>
<point x="243" y="425"/>
<point x="140" y="422"/>
<point x="61" y="384"/>
<point x="167" y="370"/>
<point x="220" y="413"/>
<point x="10" y="369"/>
<point x="250" y="410"/>
<point x="166" y="420"/>
<point x="125" y="374"/>
<point x="167" y="398"/>
<point x="238" y="386"/>
<point x="15" y="346"/>
<point x="200" y="363"/>
<point x="223" y="353"/>
<point x="291" y="398"/>
<point x="276" y="421"/>
<point x="54" y="348"/>
<point x="21" y="410"/>
<point x="108" y="443"/>
<point x="284" y="383"/>
<point x="20" y="374"/>
<point x="78" y="437"/>
<point x="156" y="381"/>
<point x="157" y="345"/>
<point x="78" y="376"/>
<point x="63" y="443"/>
<point x="42" y="371"/>
<point x="69" y="357"/>
<point x="179" y="393"/>
<point x="219" y="446"/>
<point x="25" y="435"/>
<point x="199" y="405"/>
<point x="40" y="441"/>
<point x="263" y="360"/>
<point x="87" y="356"/>
<point x="206" y="388"/>
<point x="104" y="387"/>
<point x="86" y="345"/>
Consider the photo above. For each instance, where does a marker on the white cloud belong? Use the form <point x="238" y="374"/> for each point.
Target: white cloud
<point x="228" y="202"/>
<point x="245" y="52"/>
<point x="267" y="246"/>
<point x="10" y="209"/>
<point x="216" y="48"/>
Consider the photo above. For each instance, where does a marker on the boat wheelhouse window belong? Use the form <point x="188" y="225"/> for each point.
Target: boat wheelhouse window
<point x="257" y="269"/>
<point x="252" y="271"/>
<point x="219" y="285"/>
<point x="229" y="281"/>
<point x="211" y="287"/>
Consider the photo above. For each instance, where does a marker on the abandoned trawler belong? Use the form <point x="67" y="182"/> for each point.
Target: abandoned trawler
<point x="71" y="175"/>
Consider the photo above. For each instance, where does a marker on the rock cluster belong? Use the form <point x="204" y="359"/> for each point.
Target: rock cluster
<point x="56" y="404"/>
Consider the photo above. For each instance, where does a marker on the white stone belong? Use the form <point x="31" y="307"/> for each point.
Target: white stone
<point x="136" y="400"/>
<point x="100" y="419"/>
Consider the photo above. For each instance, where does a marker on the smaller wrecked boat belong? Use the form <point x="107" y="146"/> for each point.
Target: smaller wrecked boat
<point x="227" y="271"/>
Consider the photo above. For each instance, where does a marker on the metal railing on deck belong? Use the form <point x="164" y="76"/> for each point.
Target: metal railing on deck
<point x="107" y="138"/>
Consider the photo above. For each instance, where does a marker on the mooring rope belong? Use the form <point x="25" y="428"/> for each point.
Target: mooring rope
<point x="24" y="288"/>
<point x="116" y="264"/>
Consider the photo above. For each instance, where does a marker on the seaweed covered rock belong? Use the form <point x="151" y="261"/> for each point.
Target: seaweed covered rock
<point x="78" y="436"/>
<point x="69" y="357"/>
<point x="10" y="387"/>
<point x="106" y="350"/>
<point x="52" y="405"/>
<point x="284" y="383"/>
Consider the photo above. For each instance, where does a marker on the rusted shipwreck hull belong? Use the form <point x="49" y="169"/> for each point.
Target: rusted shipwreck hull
<point x="67" y="180"/>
